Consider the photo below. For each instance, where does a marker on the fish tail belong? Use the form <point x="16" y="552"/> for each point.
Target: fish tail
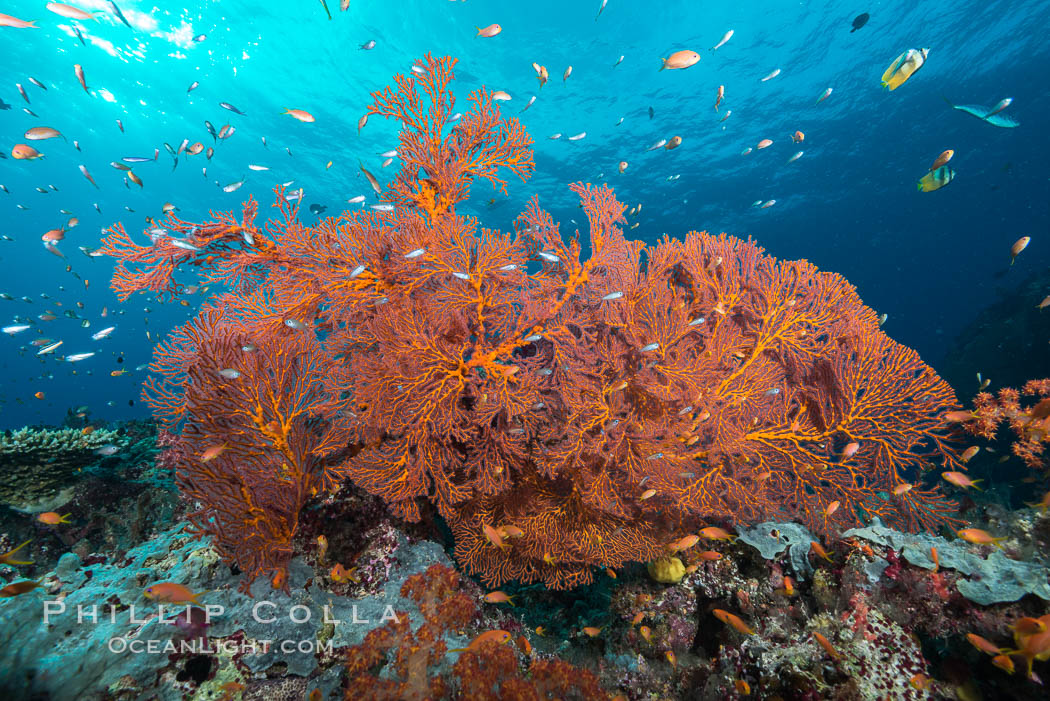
<point x="664" y="64"/>
<point x="479" y="31"/>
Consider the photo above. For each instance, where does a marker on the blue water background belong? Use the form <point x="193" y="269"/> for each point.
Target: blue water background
<point x="849" y="204"/>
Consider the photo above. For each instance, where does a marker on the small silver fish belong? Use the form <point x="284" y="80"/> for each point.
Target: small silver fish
<point x="230" y="373"/>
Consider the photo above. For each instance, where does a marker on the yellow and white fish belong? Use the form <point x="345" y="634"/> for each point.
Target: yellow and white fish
<point x="904" y="67"/>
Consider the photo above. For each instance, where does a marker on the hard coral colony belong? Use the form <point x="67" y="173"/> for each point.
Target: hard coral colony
<point x="512" y="384"/>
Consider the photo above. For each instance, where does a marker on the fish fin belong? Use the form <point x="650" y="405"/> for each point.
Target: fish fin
<point x="664" y="65"/>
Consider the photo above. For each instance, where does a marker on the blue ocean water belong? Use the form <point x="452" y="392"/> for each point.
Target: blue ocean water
<point x="930" y="261"/>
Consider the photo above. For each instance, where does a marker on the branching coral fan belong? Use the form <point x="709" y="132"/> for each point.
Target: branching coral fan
<point x="562" y="413"/>
<point x="1030" y="424"/>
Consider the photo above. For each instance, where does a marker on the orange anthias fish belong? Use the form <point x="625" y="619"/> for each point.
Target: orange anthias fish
<point x="979" y="537"/>
<point x="16" y="588"/>
<point x="968" y="454"/>
<point x="15" y="23"/>
<point x="798" y="137"/>
<point x="496" y="636"/>
<point x="499" y="597"/>
<point x="489" y="31"/>
<point x="985" y="646"/>
<point x="52" y="519"/>
<point x="680" y="59"/>
<point x="25" y="152"/>
<point x="683" y="543"/>
<point x="1019" y="245"/>
<point x="819" y="550"/>
<point x="942" y="159"/>
<point x="493" y="536"/>
<point x="826" y="644"/>
<point x="301" y="115"/>
<point x="960" y="480"/>
<point x="212" y="452"/>
<point x="716" y="533"/>
<point x="734" y="621"/>
<point x="170" y="593"/>
<point x="721" y="94"/>
<point x="1032" y="637"/>
<point x="591" y="631"/>
<point x="8" y="558"/>
<point x="341" y="574"/>
<point x="1004" y="663"/>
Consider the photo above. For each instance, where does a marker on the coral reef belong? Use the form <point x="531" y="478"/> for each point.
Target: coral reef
<point x="38" y="467"/>
<point x="396" y="662"/>
<point x="562" y="412"/>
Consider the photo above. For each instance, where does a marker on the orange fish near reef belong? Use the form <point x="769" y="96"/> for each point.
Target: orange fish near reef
<point x="959" y="479"/>
<point x="341" y="574"/>
<point x="798" y="137"/>
<point x="716" y="533"/>
<point x="170" y="593"/>
<point x="979" y="537"/>
<point x="985" y="646"/>
<point x="683" y="543"/>
<point x="52" y="519"/>
<point x="8" y="558"/>
<point x="498" y="597"/>
<point x="819" y="550"/>
<point x="721" y="94"/>
<point x="489" y="31"/>
<point x="1032" y="637"/>
<point x="734" y="621"/>
<point x="493" y="536"/>
<point x="213" y="452"/>
<point x="969" y="453"/>
<point x="497" y="636"/>
<point x="16" y="588"/>
<point x="680" y="59"/>
<point x="826" y="644"/>
<point x="850" y="450"/>
<point x="764" y="143"/>
<point x="591" y="631"/>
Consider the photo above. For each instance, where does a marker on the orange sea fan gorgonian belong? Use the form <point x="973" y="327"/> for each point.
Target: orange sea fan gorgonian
<point x="564" y="412"/>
